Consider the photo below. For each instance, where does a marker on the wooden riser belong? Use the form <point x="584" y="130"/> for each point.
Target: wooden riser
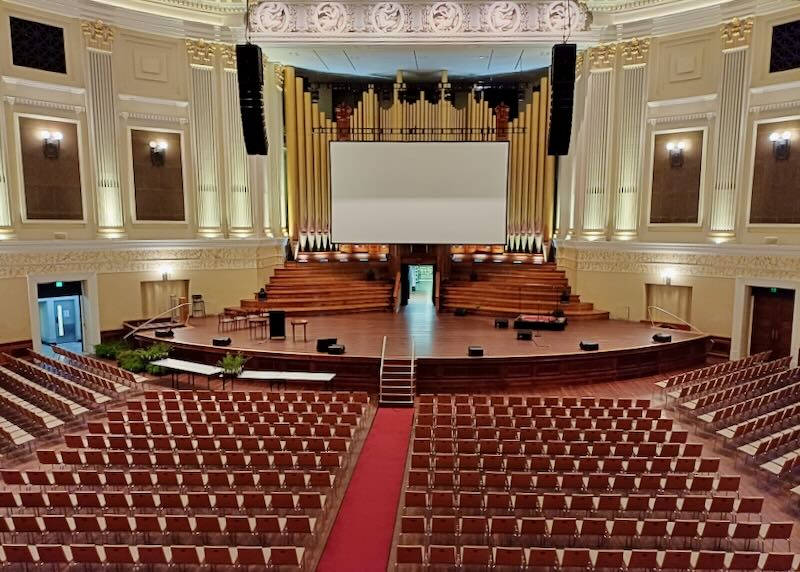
<point x="510" y="294"/>
<point x="324" y="297"/>
<point x="506" y="311"/>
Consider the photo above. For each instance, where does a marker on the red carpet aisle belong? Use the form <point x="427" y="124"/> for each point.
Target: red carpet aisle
<point x="361" y="538"/>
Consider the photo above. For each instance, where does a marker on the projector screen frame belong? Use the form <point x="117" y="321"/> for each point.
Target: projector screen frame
<point x="507" y="144"/>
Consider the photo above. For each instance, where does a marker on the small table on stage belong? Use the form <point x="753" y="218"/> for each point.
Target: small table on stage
<point x="299" y="324"/>
<point x="178" y="366"/>
<point x="281" y="377"/>
<point x="258" y="325"/>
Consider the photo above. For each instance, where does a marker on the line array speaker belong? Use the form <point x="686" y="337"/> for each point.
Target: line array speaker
<point x="562" y="98"/>
<point x="250" y="73"/>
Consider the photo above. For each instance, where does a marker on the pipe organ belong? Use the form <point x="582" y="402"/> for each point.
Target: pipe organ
<point x="309" y="130"/>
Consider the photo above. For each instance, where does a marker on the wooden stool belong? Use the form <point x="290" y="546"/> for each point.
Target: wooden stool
<point x="296" y="323"/>
<point x="258" y="325"/>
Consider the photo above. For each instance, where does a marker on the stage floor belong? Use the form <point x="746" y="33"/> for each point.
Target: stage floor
<point x="435" y="335"/>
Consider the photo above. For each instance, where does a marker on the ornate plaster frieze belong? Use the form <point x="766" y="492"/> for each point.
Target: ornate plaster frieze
<point x="20" y="263"/>
<point x="686" y="263"/>
<point x="579" y="62"/>
<point x="736" y="33"/>
<point x="635" y="51"/>
<point x="128" y="115"/>
<point x="779" y="106"/>
<point x="201" y="53"/>
<point x="308" y="19"/>
<point x="98" y="35"/>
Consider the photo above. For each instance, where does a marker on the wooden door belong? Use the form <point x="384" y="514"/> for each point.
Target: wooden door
<point x="773" y="310"/>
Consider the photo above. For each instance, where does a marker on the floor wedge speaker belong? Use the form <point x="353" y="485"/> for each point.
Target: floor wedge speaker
<point x="221" y="341"/>
<point x="475" y="351"/>
<point x="562" y="98"/>
<point x="662" y="338"/>
<point x="589" y="346"/>
<point x="250" y="74"/>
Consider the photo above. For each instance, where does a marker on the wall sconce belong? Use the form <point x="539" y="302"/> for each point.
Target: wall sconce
<point x="51" y="143"/>
<point x="668" y="275"/>
<point x="158" y="151"/>
<point x="676" y="153"/>
<point x="164" y="270"/>
<point x="781" y="145"/>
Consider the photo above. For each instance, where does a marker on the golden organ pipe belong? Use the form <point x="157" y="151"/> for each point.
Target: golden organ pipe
<point x="309" y="163"/>
<point x="301" y="156"/>
<point x="549" y="187"/>
<point x="530" y="207"/>
<point x="290" y="113"/>
<point x="512" y="165"/>
<point x="317" y="138"/>
<point x="525" y="120"/>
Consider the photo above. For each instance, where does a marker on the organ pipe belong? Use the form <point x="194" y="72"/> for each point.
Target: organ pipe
<point x="309" y="131"/>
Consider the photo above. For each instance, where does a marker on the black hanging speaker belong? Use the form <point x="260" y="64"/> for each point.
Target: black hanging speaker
<point x="562" y="97"/>
<point x="250" y="73"/>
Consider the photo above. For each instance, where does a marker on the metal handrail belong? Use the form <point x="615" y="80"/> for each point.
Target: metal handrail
<point x="154" y="318"/>
<point x="383" y="357"/>
<point x="396" y="293"/>
<point x="652" y="322"/>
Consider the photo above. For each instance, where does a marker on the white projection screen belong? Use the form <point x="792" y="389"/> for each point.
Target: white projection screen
<point x="406" y="193"/>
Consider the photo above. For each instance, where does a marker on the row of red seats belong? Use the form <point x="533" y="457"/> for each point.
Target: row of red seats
<point x="82" y="554"/>
<point x="169" y="525"/>
<point x="550" y="559"/>
<point x="164" y="500"/>
<point x="255" y="396"/>
<point x="530" y="400"/>
<point x="749" y="389"/>
<point x="212" y="406"/>
<point x="575" y="411"/>
<point x="125" y="458"/>
<point x="713" y="370"/>
<point x="208" y="444"/>
<point x="568" y="531"/>
<point x="237" y="428"/>
<point x="721" y="382"/>
<point x="169" y="478"/>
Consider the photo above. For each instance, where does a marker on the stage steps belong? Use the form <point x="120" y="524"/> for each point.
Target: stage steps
<point x="398" y="380"/>
<point x="507" y="289"/>
<point x="304" y="289"/>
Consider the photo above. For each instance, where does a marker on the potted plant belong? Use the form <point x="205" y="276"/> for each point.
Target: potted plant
<point x="231" y="365"/>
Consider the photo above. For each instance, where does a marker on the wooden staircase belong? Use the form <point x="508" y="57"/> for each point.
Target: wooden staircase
<point x="398" y="383"/>
<point x="506" y="289"/>
<point x="326" y="288"/>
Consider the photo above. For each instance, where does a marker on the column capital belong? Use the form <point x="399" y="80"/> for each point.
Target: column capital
<point x="98" y="35"/>
<point x="736" y="33"/>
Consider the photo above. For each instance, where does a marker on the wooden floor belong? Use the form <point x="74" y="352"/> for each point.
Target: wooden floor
<point x="434" y="335"/>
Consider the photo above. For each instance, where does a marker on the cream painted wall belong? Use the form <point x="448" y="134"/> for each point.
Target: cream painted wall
<point x="15" y="324"/>
<point x="624" y="295"/>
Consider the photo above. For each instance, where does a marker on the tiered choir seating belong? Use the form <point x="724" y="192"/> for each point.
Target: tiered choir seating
<point x="325" y="288"/>
<point x="186" y="478"/>
<point x="750" y="403"/>
<point x="573" y="483"/>
<point x="513" y="289"/>
<point x="98" y="367"/>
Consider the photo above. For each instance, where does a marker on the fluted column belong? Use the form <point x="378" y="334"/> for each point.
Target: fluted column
<point x="732" y="103"/>
<point x="99" y="42"/>
<point x="633" y="98"/>
<point x="204" y="140"/>
<point x="237" y="185"/>
<point x="598" y="116"/>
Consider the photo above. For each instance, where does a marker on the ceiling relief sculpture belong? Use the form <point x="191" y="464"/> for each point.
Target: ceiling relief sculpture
<point x="315" y="21"/>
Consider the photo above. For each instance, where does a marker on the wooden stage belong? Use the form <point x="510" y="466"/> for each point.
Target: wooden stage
<point x="441" y="341"/>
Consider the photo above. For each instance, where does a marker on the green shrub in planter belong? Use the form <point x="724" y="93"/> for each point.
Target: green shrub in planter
<point x="232" y="365"/>
<point x="110" y="350"/>
<point x="132" y="360"/>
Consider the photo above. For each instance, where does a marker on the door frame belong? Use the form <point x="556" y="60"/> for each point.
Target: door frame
<point x="90" y="307"/>
<point x="743" y="314"/>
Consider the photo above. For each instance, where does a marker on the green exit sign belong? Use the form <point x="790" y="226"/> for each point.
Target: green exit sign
<point x="773" y="290"/>
<point x="59" y="284"/>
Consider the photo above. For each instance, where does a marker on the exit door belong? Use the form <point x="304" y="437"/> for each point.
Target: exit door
<point x="60" y="315"/>
<point x="773" y="312"/>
